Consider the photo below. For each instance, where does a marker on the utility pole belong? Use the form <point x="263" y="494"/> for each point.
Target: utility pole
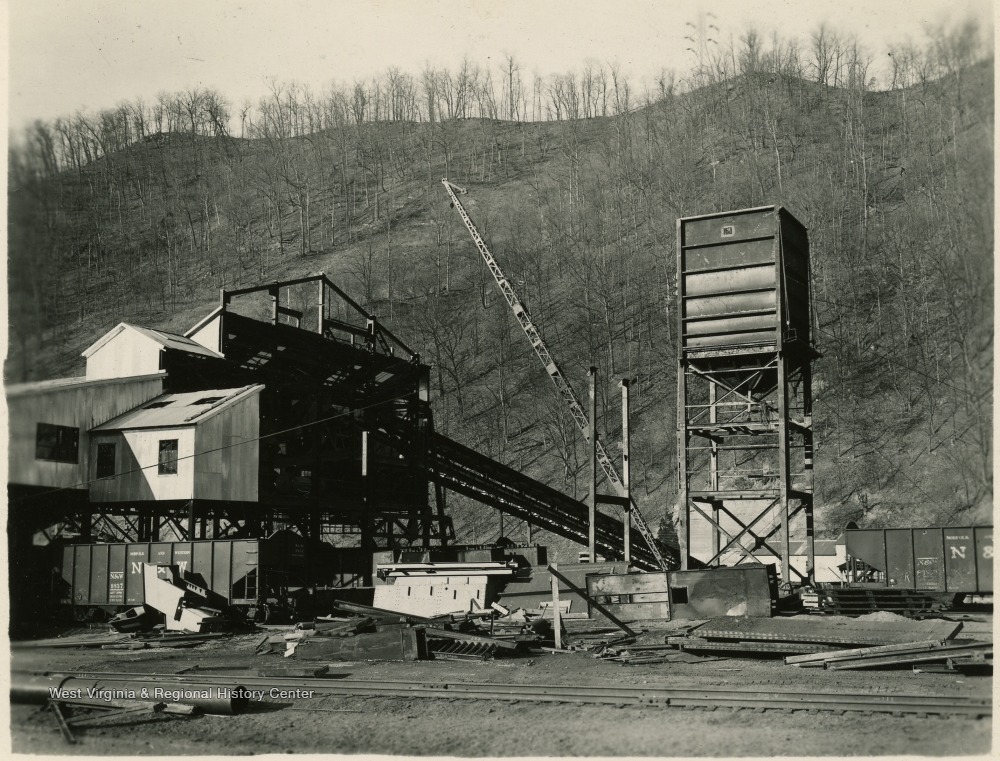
<point x="592" y="501"/>
<point x="626" y="474"/>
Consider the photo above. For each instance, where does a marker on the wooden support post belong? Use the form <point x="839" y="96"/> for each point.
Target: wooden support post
<point x="592" y="500"/>
<point x="556" y="618"/>
<point x="626" y="473"/>
<point x="321" y="305"/>
<point x="191" y="521"/>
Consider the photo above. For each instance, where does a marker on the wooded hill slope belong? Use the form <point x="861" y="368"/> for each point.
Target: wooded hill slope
<point x="110" y="221"/>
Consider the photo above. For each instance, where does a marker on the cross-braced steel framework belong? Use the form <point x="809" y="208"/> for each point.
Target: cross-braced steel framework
<point x="746" y="453"/>
<point x="745" y="441"/>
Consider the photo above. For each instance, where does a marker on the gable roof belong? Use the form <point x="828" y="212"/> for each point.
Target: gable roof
<point x="204" y="321"/>
<point x="164" y="339"/>
<point x="178" y="410"/>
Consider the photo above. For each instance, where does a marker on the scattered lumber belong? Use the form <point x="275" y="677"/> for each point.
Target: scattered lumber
<point x="963" y="649"/>
<point x="818" y="658"/>
<point x="85" y="640"/>
<point x="850" y="601"/>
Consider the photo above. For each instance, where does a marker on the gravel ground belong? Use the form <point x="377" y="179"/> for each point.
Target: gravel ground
<point x="446" y="727"/>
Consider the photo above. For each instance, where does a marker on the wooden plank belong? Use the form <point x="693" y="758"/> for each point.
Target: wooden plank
<point x="63" y="726"/>
<point x="906" y="658"/>
<point x="905" y="647"/>
<point x="83" y="641"/>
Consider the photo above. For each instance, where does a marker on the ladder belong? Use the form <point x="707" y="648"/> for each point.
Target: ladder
<point x="562" y="385"/>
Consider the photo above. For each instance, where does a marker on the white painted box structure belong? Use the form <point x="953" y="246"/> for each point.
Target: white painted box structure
<point x="429" y="589"/>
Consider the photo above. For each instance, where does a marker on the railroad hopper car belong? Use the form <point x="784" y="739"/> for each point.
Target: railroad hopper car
<point x="956" y="561"/>
<point x="261" y="577"/>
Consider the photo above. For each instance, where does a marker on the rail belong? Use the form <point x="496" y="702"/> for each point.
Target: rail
<point x="711" y="697"/>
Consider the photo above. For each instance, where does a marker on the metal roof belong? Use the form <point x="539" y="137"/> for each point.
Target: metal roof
<point x="164" y="339"/>
<point x="178" y="410"/>
<point x="60" y="384"/>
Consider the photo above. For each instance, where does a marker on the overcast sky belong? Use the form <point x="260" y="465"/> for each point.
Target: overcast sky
<point x="67" y="55"/>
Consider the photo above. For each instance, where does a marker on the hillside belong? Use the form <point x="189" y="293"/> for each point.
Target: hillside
<point x="895" y="188"/>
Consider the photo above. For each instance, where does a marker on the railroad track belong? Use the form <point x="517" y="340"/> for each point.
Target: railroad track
<point x="659" y="695"/>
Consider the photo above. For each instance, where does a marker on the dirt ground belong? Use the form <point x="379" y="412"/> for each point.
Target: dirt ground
<point x="473" y="728"/>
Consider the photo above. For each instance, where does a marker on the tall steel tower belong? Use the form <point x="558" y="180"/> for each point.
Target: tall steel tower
<point x="744" y="391"/>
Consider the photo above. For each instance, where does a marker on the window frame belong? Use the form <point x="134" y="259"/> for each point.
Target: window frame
<point x="57" y="451"/>
<point x="99" y="461"/>
<point x="167" y="467"/>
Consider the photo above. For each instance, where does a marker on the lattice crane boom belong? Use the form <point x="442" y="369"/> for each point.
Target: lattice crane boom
<point x="562" y="385"/>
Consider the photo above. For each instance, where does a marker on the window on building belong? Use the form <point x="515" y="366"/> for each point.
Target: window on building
<point x="210" y="400"/>
<point x="168" y="457"/>
<point x="156" y="405"/>
<point x="59" y="443"/>
<point x="105" y="460"/>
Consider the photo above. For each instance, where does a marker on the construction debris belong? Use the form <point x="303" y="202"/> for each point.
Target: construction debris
<point x="139" y="618"/>
<point x="593" y="603"/>
<point x="940" y="652"/>
<point x="135" y="641"/>
<point x="183" y="603"/>
<point x="804" y="635"/>
<point x="853" y="601"/>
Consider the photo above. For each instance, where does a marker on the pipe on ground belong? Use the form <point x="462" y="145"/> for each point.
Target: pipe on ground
<point x="221" y="700"/>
